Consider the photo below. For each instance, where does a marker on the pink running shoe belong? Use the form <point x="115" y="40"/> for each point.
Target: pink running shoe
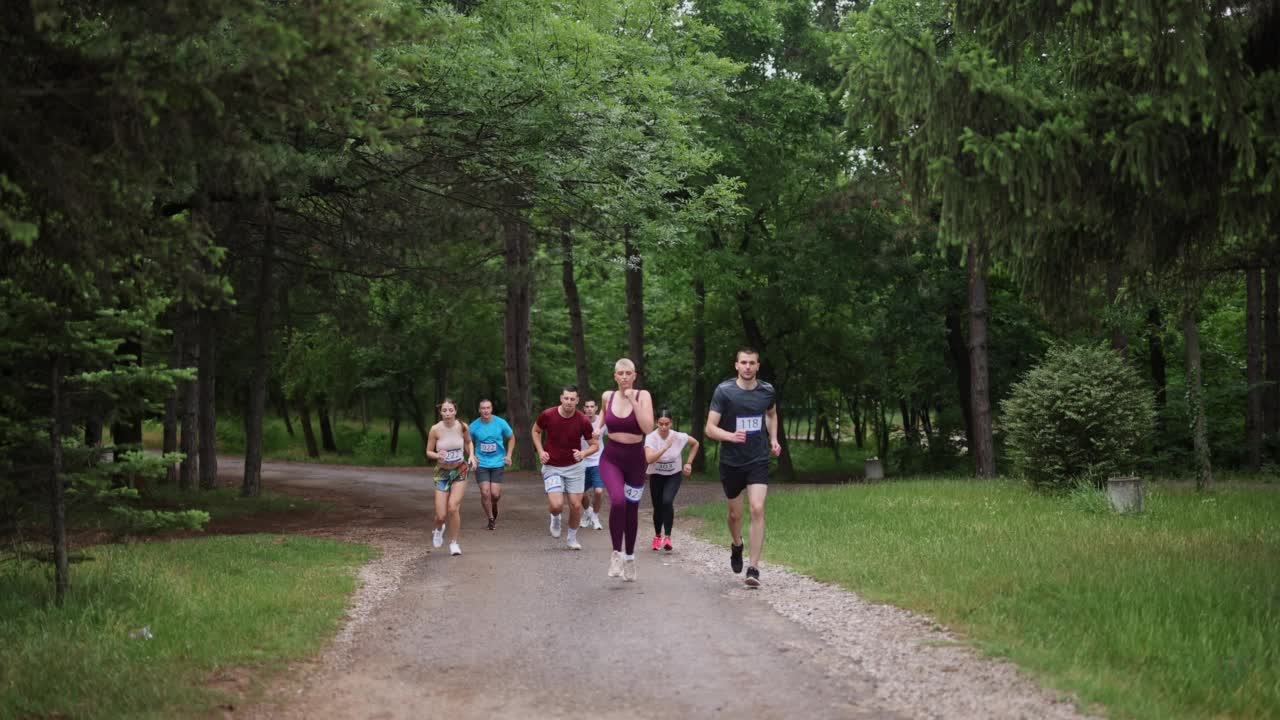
<point x="657" y="542"/>
<point x="666" y="543"/>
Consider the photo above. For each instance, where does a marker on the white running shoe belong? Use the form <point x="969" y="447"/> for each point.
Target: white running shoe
<point x="437" y="537"/>
<point x="454" y="549"/>
<point x="595" y="520"/>
<point x="555" y="526"/>
<point x="586" y="519"/>
<point x="629" y="570"/>
<point x="573" y="544"/>
<point x="615" y="564"/>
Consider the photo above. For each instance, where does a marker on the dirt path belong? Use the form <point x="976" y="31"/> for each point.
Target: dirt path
<point x="518" y="626"/>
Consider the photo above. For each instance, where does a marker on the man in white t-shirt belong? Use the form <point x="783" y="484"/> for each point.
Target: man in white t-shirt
<point x="593" y="495"/>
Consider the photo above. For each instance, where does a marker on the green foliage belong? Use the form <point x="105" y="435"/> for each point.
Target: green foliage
<point x="135" y="521"/>
<point x="1166" y="614"/>
<point x="1080" y="416"/>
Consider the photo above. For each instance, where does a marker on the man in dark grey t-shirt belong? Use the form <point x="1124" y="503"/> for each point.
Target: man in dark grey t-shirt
<point x="743" y="411"/>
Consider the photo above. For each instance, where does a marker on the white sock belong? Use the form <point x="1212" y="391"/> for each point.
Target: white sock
<point x="573" y="533"/>
<point x="554" y="517"/>
<point x="629" y="557"/>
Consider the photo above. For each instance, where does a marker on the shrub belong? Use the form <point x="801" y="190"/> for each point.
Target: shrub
<point x="1081" y="415"/>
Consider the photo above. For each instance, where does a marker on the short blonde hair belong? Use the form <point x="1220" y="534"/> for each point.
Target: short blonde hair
<point x="624" y="364"/>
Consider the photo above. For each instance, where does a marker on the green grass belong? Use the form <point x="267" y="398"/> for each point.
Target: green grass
<point x="356" y="446"/>
<point x="251" y="601"/>
<point x="1172" y="613"/>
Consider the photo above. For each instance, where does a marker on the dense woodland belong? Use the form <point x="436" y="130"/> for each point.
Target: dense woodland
<point x="215" y="212"/>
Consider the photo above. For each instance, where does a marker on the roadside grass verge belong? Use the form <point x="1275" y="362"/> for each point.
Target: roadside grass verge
<point x="246" y="601"/>
<point x="1171" y="613"/>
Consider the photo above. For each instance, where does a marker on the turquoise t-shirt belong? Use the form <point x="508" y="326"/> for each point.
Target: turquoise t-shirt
<point x="490" y="439"/>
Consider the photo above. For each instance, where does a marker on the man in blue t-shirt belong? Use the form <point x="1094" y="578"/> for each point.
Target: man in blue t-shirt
<point x="744" y="419"/>
<point x="494" y="444"/>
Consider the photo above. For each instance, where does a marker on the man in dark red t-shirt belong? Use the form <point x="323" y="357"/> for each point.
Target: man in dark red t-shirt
<point x="561" y="456"/>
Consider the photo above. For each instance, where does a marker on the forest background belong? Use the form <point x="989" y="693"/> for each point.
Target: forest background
<point x="339" y="213"/>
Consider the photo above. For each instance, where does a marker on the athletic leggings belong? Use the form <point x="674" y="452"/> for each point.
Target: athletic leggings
<point x="663" y="489"/>
<point x="622" y="468"/>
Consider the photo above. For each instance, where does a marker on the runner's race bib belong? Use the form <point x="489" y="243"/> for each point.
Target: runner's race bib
<point x="752" y="423"/>
<point x="553" y="483"/>
<point x="488" y="447"/>
<point x="452" y="456"/>
<point x="633" y="493"/>
<point x="665" y="468"/>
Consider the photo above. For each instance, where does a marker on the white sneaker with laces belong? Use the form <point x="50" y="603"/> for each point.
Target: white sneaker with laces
<point x="555" y="526"/>
<point x="586" y="519"/>
<point x="454" y="549"/>
<point x="573" y="544"/>
<point x="615" y="564"/>
<point x="437" y="537"/>
<point x="595" y="520"/>
<point x="629" y="570"/>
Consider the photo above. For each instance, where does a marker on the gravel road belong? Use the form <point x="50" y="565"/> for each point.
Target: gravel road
<point x="518" y="626"/>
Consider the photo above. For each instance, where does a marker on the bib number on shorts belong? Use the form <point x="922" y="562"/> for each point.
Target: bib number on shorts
<point x="633" y="493"/>
<point x="488" y="447"/>
<point x="452" y="456"/>
<point x="553" y="483"/>
<point x="665" y="468"/>
<point x="751" y="424"/>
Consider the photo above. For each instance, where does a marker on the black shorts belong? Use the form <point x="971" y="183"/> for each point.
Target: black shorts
<point x="735" y="479"/>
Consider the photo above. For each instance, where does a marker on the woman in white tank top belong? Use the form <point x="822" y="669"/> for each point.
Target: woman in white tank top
<point x="449" y="444"/>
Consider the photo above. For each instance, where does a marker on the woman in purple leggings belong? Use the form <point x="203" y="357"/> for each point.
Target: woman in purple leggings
<point x="628" y="417"/>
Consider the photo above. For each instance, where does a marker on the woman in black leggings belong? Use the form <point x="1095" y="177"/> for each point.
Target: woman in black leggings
<point x="663" y="449"/>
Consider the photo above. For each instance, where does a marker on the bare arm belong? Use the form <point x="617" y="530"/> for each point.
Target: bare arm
<point x="693" y="451"/>
<point x="771" y="419"/>
<point x="644" y="410"/>
<point x="537" y="443"/>
<point x="511" y="447"/>
<point x="651" y="455"/>
<point x="431" y="445"/>
<point x="714" y="431"/>
<point x="470" y="446"/>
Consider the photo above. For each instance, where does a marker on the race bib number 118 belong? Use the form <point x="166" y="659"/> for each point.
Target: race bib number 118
<point x="751" y="423"/>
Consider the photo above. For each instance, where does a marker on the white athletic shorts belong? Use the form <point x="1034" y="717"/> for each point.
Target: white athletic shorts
<point x="571" y="479"/>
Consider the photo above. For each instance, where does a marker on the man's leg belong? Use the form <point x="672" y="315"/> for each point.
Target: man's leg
<point x="486" y="498"/>
<point x="555" y="502"/>
<point x="735" y="520"/>
<point x="755" y="499"/>
<point x="575" y="510"/>
<point x="495" y="494"/>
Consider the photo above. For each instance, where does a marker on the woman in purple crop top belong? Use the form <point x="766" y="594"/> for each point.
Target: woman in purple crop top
<point x="628" y="416"/>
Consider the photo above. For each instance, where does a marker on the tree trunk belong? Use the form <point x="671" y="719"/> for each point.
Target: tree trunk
<point x="635" y="304"/>
<point x="983" y="444"/>
<point x="882" y="433"/>
<point x="57" y="493"/>
<point x="416" y="413"/>
<point x="208" y="401"/>
<point x="516" y="348"/>
<point x="282" y="409"/>
<point x="395" y="423"/>
<point x="957" y="345"/>
<point x="171" y="407"/>
<point x="189" y="442"/>
<point x="308" y="434"/>
<point x="257" y="406"/>
<point x="1271" y="325"/>
<point x="700" y="398"/>
<point x="327" y="440"/>
<point x="577" y="333"/>
<point x="908" y="423"/>
<point x="364" y="411"/>
<point x="1253" y="420"/>
<point x="855" y="415"/>
<point x="442" y="385"/>
<point x="1195" y="399"/>
<point x="126" y="434"/>
<point x="1119" y="338"/>
<point x="1155" y="352"/>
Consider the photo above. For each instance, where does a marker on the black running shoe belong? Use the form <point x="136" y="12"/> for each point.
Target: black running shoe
<point x="753" y="577"/>
<point x="735" y="558"/>
<point x="493" y="522"/>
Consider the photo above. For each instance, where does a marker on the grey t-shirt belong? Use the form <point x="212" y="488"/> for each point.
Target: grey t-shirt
<point x="744" y="409"/>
